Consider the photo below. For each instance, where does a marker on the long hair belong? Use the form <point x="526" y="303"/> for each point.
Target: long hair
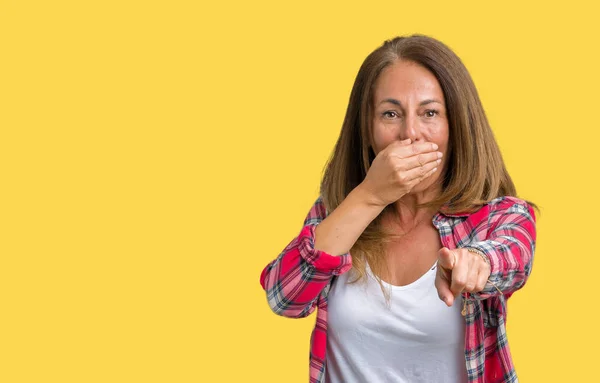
<point x="475" y="171"/>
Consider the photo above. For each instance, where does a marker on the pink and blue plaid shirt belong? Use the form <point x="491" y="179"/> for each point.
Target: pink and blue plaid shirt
<point x="298" y="280"/>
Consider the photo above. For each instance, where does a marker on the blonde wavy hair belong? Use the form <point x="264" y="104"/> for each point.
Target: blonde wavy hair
<point x="475" y="172"/>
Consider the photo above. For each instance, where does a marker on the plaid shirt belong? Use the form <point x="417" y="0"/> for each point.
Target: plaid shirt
<point x="298" y="280"/>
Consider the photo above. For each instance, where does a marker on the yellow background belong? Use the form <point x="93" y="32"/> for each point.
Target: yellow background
<point x="156" y="155"/>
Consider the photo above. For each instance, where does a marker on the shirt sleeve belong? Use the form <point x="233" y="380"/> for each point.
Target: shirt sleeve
<point x="509" y="247"/>
<point x="295" y="279"/>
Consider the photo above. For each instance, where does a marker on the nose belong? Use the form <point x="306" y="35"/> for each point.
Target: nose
<point x="411" y="129"/>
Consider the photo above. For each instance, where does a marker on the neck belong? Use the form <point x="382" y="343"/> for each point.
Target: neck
<point x="409" y="213"/>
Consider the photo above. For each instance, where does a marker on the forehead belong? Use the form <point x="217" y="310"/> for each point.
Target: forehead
<point x="404" y="79"/>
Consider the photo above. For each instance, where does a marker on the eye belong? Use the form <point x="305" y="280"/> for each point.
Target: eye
<point x="431" y="113"/>
<point x="390" y="114"/>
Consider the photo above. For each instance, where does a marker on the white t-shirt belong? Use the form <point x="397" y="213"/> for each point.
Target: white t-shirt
<point x="416" y="339"/>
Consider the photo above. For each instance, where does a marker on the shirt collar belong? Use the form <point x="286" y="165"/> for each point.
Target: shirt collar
<point x="444" y="211"/>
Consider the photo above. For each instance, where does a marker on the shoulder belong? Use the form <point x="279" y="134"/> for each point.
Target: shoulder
<point x="506" y="211"/>
<point x="509" y="205"/>
<point x="500" y="208"/>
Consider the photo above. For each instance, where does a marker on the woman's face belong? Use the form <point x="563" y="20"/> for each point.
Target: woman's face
<point x="409" y="103"/>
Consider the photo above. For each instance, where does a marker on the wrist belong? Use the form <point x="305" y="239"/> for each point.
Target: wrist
<point x="479" y="253"/>
<point x="366" y="197"/>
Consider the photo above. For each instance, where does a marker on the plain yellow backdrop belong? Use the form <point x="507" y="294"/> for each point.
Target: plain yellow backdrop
<point x="156" y="155"/>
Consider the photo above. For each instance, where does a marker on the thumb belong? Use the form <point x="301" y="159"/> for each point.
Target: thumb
<point x="446" y="258"/>
<point x="395" y="144"/>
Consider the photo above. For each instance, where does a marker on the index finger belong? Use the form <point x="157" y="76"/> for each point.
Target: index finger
<point x="414" y="149"/>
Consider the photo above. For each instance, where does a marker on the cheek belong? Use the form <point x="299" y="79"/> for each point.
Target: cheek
<point x="442" y="142"/>
<point x="382" y="137"/>
<point x="438" y="135"/>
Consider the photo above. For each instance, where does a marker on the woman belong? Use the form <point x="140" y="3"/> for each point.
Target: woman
<point x="417" y="240"/>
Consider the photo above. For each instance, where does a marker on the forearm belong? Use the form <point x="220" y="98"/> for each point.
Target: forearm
<point x="510" y="249"/>
<point x="337" y="233"/>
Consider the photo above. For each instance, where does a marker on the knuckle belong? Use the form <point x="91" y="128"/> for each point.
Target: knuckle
<point x="392" y="163"/>
<point x="460" y="281"/>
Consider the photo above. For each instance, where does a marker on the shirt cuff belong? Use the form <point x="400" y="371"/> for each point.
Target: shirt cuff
<point x="320" y="260"/>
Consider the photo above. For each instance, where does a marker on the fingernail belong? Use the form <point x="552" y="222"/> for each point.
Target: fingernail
<point x="435" y="147"/>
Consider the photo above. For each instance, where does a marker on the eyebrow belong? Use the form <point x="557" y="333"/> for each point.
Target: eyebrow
<point x="398" y="103"/>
